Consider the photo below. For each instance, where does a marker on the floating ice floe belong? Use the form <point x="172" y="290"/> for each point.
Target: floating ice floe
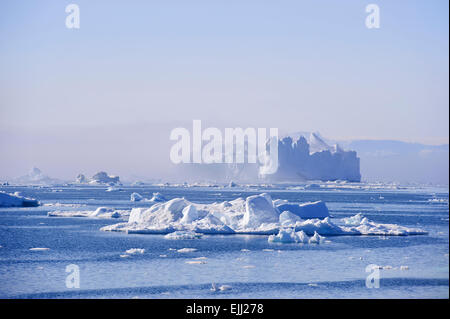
<point x="113" y="189"/>
<point x="257" y="214"/>
<point x="183" y="235"/>
<point x="39" y="249"/>
<point x="362" y="226"/>
<point x="157" y="197"/>
<point x="14" y="200"/>
<point x="136" y="197"/>
<point x="101" y="212"/>
<point x="290" y="236"/>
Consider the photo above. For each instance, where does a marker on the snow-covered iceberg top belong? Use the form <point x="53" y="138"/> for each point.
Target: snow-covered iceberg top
<point x="257" y="214"/>
<point x="14" y="200"/>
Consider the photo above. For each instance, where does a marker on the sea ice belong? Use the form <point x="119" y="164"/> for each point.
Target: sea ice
<point x="135" y="251"/>
<point x="183" y="235"/>
<point x="186" y="250"/>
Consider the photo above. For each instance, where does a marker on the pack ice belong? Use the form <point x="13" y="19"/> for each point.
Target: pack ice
<point x="257" y="214"/>
<point x="14" y="200"/>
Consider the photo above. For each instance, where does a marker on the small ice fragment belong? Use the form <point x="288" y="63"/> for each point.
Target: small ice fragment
<point x="163" y="256"/>
<point x="404" y="268"/>
<point x="245" y="250"/>
<point x="136" y="197"/>
<point x="39" y="249"/>
<point x="186" y="250"/>
<point x="316" y="239"/>
<point x="248" y="266"/>
<point x="134" y="251"/>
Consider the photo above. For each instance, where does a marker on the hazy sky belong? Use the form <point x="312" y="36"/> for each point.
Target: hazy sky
<point x="295" y="65"/>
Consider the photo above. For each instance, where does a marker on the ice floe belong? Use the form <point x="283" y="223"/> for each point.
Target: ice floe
<point x="14" y="200"/>
<point x="135" y="251"/>
<point x="136" y="197"/>
<point x="257" y="214"/>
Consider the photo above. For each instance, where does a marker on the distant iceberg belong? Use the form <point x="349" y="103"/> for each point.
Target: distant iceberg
<point x="13" y="200"/>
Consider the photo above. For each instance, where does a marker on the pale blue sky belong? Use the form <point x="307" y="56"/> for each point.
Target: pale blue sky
<point x="295" y="65"/>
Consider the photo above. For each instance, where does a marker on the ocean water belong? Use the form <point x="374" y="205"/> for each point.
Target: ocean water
<point x="413" y="266"/>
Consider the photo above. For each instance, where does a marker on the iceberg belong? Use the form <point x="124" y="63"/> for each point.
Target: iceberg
<point x="259" y="210"/>
<point x="14" y="200"/>
<point x="183" y="235"/>
<point x="100" y="212"/>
